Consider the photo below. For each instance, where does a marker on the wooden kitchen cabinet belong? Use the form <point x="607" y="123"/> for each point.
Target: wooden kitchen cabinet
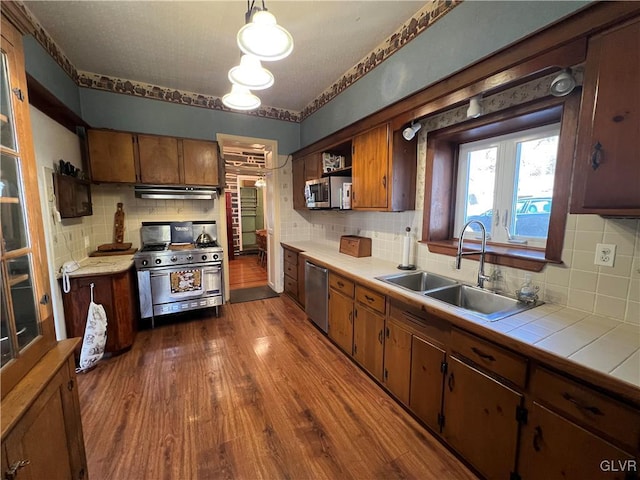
<point x="383" y="170"/>
<point x="158" y="157"/>
<point x="313" y="166"/>
<point x="73" y="196"/>
<point x="368" y="330"/>
<point x="117" y="293"/>
<point x="480" y="419"/>
<point x="298" y="184"/>
<point x="427" y="378"/>
<point x="111" y="156"/>
<point x="397" y="360"/>
<point x="341" y="312"/>
<point x="544" y="453"/>
<point x="202" y="163"/>
<point x="41" y="425"/>
<point x="607" y="170"/>
<point x="294" y="276"/>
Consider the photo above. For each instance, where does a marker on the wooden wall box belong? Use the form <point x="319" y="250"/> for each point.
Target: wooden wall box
<point x="355" y="246"/>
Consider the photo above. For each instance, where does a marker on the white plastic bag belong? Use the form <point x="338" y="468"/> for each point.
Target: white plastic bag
<point x="95" y="336"/>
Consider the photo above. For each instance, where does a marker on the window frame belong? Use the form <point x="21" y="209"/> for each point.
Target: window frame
<point x="441" y="175"/>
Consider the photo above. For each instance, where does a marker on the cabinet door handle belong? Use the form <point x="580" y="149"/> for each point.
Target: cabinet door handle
<point x="340" y="284"/>
<point x="350" y="317"/>
<point x="451" y="382"/>
<point x="596" y="156"/>
<point x="481" y="354"/>
<point x="369" y="299"/>
<point x="580" y="405"/>
<point x="12" y="471"/>
<point x="45" y="299"/>
<point x="380" y="337"/>
<point x="537" y="438"/>
<point x="384" y="181"/>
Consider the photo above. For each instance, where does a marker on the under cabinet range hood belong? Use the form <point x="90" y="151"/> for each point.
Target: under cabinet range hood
<point x="162" y="192"/>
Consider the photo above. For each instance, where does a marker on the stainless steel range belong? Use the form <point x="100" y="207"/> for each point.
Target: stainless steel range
<point x="179" y="268"/>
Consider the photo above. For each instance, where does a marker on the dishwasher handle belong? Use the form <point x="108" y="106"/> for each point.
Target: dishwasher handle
<point x="316" y="267"/>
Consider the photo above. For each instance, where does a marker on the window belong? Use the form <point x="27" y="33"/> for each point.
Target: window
<point x="534" y="130"/>
<point x="506" y="184"/>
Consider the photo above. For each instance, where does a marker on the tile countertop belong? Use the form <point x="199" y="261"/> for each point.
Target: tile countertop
<point x="106" y="265"/>
<point x="583" y="344"/>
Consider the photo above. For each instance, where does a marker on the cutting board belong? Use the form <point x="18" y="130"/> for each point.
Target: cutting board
<point x="131" y="251"/>
<point x="110" y="247"/>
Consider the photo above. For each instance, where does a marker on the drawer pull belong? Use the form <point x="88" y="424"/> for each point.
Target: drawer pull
<point x="484" y="356"/>
<point x="537" y="438"/>
<point x="340" y="284"/>
<point x="581" y="406"/>
<point x="596" y="156"/>
<point x="369" y="299"/>
<point x="451" y="382"/>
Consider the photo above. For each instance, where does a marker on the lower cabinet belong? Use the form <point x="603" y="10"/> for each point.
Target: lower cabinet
<point x="368" y="331"/>
<point x="480" y="419"/>
<point x="117" y="293"/>
<point x="425" y="398"/>
<point x="46" y="441"/>
<point x="294" y="276"/>
<point x="397" y="360"/>
<point x="341" y="320"/>
<point x="554" y="447"/>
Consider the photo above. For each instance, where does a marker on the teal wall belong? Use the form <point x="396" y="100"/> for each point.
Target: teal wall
<point x="470" y="32"/>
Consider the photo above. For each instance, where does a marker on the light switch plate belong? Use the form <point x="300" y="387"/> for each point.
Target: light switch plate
<point x="605" y="254"/>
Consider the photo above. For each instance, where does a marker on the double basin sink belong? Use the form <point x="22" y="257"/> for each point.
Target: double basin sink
<point x="485" y="304"/>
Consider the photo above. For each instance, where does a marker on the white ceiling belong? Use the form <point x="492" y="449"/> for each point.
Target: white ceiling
<point x="190" y="45"/>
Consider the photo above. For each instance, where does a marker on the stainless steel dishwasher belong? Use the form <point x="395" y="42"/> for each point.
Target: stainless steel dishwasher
<point x="316" y="294"/>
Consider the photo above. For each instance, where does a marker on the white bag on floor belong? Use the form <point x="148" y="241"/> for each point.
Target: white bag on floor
<point x="95" y="336"/>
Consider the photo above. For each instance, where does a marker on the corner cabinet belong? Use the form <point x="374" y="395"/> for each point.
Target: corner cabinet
<point x="607" y="164"/>
<point x="41" y="431"/>
<point x="384" y="170"/>
<point x="123" y="157"/>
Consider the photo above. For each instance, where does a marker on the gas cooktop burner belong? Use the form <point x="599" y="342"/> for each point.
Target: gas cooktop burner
<point x="154" y="247"/>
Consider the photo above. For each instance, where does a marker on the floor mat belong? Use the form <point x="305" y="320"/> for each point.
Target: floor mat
<point x="250" y="294"/>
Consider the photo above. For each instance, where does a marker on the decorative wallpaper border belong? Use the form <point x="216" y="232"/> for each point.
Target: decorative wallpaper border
<point x="419" y="22"/>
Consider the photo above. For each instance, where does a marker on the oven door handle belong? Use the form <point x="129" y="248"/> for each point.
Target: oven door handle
<point x="154" y="274"/>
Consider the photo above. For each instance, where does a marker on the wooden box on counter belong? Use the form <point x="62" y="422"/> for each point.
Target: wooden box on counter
<point x="355" y="246"/>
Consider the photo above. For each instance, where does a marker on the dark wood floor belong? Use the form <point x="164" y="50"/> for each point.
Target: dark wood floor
<point x="245" y="272"/>
<point x="256" y="393"/>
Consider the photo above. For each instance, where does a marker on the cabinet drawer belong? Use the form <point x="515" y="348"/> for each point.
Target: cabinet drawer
<point x="371" y="299"/>
<point x="291" y="257"/>
<point x="341" y="284"/>
<point x="496" y="359"/>
<point x="588" y="407"/>
<point x="291" y="270"/>
<point x="291" y="286"/>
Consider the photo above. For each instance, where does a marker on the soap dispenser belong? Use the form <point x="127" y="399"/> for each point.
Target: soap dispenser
<point x="527" y="293"/>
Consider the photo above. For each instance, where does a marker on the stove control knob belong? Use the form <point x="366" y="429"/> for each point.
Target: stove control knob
<point x="215" y="256"/>
<point x="204" y="257"/>
<point x="158" y="261"/>
<point x="145" y="263"/>
<point x="189" y="257"/>
<point x="174" y="259"/>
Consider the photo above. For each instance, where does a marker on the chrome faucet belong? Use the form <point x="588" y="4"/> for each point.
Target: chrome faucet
<point x="481" y="276"/>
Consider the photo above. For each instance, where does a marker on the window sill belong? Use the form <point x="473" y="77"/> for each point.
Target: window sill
<point x="515" y="256"/>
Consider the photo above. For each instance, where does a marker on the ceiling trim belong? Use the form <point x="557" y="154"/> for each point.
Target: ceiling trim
<point x="420" y="21"/>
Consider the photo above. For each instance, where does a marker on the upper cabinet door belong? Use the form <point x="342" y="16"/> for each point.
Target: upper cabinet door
<point x="607" y="164"/>
<point x="201" y="163"/>
<point x="159" y="160"/>
<point x="370" y="169"/>
<point x="111" y="155"/>
<point x="26" y="318"/>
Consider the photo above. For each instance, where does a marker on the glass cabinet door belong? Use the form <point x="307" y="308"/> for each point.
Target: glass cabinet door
<point x="20" y="321"/>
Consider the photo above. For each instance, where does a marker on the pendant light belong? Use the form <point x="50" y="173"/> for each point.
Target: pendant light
<point x="250" y="74"/>
<point x="241" y="98"/>
<point x="260" y="183"/>
<point x="262" y="37"/>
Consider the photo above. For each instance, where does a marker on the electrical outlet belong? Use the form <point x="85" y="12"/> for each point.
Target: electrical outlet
<point x="605" y="254"/>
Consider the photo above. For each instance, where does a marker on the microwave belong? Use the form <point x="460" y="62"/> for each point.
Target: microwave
<point x="326" y="192"/>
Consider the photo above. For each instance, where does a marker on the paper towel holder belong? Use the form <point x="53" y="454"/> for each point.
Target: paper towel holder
<point x="408" y="266"/>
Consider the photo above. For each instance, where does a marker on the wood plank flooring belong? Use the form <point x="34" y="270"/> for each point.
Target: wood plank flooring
<point x="256" y="393"/>
<point x="245" y="272"/>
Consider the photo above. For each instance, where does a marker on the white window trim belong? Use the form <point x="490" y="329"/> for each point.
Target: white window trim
<point x="506" y="145"/>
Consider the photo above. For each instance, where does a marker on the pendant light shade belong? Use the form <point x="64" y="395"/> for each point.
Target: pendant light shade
<point x="260" y="183"/>
<point x="264" y="38"/>
<point x="250" y="74"/>
<point x="241" y="98"/>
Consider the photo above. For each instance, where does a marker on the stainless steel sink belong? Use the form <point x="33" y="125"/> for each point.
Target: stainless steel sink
<point x="488" y="305"/>
<point x="418" y="281"/>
